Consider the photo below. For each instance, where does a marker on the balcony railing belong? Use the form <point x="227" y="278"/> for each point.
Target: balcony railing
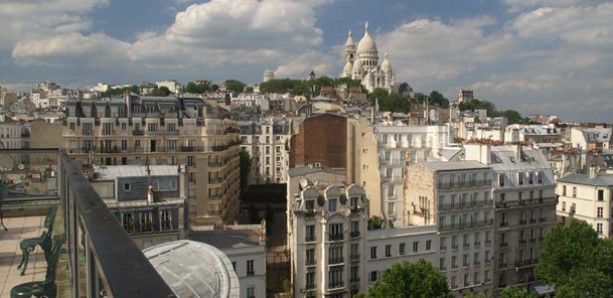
<point x="101" y="256"/>
<point x="336" y="237"/>
<point x="95" y="237"/>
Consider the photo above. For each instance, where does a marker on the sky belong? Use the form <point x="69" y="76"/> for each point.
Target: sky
<point x="535" y="56"/>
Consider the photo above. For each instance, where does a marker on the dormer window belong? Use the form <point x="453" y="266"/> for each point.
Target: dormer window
<point x="332" y="205"/>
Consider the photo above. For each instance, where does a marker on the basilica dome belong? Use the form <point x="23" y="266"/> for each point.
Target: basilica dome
<point x="367" y="44"/>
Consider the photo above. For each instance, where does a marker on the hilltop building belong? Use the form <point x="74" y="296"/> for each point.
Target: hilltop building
<point x="363" y="64"/>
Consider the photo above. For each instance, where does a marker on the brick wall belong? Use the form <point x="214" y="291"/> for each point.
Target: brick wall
<point x="320" y="139"/>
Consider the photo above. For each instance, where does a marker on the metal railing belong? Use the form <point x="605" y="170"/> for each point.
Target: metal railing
<point x="101" y="254"/>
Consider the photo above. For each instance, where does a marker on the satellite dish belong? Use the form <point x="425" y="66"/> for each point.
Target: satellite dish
<point x="21" y="166"/>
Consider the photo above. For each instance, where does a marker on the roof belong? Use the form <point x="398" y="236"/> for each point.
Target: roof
<point x="601" y="179"/>
<point x="194" y="269"/>
<point x="225" y="239"/>
<point x="454" y="165"/>
<point x="301" y="171"/>
<point x="112" y="172"/>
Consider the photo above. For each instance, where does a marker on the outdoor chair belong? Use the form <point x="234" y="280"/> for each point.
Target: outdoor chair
<point x="44" y="241"/>
<point x="46" y="288"/>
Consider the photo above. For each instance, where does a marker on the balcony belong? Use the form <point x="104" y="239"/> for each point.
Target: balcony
<point x="309" y="238"/>
<point x="309" y="262"/>
<point x="354" y="279"/>
<point x="335" y="260"/>
<point x="336" y="237"/>
<point x="355" y="234"/>
<point x="138" y="132"/>
<point x="310" y="286"/>
<point x="504" y="244"/>
<point x="98" y="255"/>
<point x="355" y="257"/>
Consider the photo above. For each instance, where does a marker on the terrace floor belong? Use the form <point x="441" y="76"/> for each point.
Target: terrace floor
<point x="10" y="255"/>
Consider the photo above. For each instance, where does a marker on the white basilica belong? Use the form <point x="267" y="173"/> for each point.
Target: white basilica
<point x="364" y="64"/>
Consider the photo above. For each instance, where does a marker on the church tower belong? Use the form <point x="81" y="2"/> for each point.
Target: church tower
<point x="349" y="49"/>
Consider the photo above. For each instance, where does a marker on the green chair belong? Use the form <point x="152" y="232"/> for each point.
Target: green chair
<point x="46" y="288"/>
<point x="44" y="241"/>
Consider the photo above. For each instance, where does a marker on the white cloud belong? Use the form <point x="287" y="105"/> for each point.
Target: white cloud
<point x="220" y="33"/>
<point x="24" y="20"/>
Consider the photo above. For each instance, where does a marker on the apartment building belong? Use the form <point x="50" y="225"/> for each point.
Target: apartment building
<point x="147" y="200"/>
<point x="137" y="130"/>
<point x="333" y="254"/>
<point x="524" y="208"/>
<point x="14" y="135"/>
<point x="520" y="133"/>
<point x="386" y="147"/>
<point x="456" y="198"/>
<point x="587" y="197"/>
<point x="266" y="142"/>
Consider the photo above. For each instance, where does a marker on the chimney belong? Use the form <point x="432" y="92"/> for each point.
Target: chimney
<point x="593" y="171"/>
<point x="150" y="194"/>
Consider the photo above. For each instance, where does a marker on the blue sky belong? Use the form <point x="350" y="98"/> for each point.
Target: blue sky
<point x="535" y="56"/>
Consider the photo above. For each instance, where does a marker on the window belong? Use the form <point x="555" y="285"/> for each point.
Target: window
<point x="415" y="246"/>
<point x="355" y="248"/>
<point x="401" y="249"/>
<point x="443" y="244"/>
<point x="574" y="192"/>
<point x="563" y="206"/>
<point x="166" y="220"/>
<point x="191" y="161"/>
<point x="520" y="178"/>
<point x="599" y="213"/>
<point x="152" y="126"/>
<point x="250" y="270"/>
<point x="355" y="227"/>
<point x="476" y="258"/>
<point x="336" y="231"/>
<point x="355" y="273"/>
<point x="251" y="292"/>
<point x="332" y="205"/>
<point x="171" y="145"/>
<point x="107" y="129"/>
<point x="476" y="278"/>
<point x="600" y="195"/>
<point x="146" y="222"/>
<point x="454" y="262"/>
<point x="454" y="282"/>
<point x="564" y="190"/>
<point x="428" y="245"/>
<point x="501" y="180"/>
<point x="466" y="240"/>
<point x="310" y="280"/>
<point x="171" y="127"/>
<point x="486" y="275"/>
<point x="373" y="252"/>
<point x="454" y="242"/>
<point x="599" y="229"/>
<point x="466" y="280"/>
<point x="465" y="261"/>
<point x="388" y="250"/>
<point x="373" y="276"/>
<point x="310" y="256"/>
<point x="335" y="255"/>
<point x="310" y="233"/>
<point x="442" y="265"/>
<point x="126" y="186"/>
<point x="127" y="219"/>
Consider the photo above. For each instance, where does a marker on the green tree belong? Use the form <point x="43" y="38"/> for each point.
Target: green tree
<point x="515" y="292"/>
<point x="578" y="262"/>
<point x="119" y="91"/>
<point x="419" y="279"/>
<point x="436" y="98"/>
<point x="162" y="91"/>
<point x="513" y="116"/>
<point x="235" y="86"/>
<point x="214" y="87"/>
<point x="192" y="87"/>
<point x="249" y="90"/>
